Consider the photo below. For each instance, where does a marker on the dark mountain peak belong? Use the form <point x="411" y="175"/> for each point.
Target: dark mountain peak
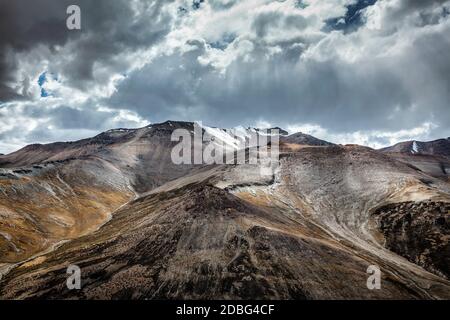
<point x="171" y="125"/>
<point x="305" y="139"/>
<point x="439" y="147"/>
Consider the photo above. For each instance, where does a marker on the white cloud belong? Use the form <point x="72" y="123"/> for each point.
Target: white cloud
<point x="371" y="138"/>
<point x="236" y="62"/>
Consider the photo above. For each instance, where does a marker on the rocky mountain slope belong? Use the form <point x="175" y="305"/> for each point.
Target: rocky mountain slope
<point x="432" y="157"/>
<point x="63" y="190"/>
<point x="309" y="230"/>
<point x="440" y="147"/>
<point x="304" y="139"/>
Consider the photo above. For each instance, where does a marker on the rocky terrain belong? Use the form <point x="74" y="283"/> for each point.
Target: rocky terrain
<point x="140" y="227"/>
<point x="418" y="231"/>
<point x="305" y="139"/>
<point x="431" y="157"/>
<point x="436" y="147"/>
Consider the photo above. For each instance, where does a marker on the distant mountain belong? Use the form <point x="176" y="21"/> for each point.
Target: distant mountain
<point x="305" y="139"/>
<point x="439" y="147"/>
<point x="61" y="151"/>
<point x="432" y="157"/>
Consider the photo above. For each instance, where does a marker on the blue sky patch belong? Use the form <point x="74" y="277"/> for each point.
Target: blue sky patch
<point x="41" y="81"/>
<point x="352" y="19"/>
<point x="224" y="42"/>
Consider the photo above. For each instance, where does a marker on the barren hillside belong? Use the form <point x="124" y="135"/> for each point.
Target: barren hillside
<point x="310" y="230"/>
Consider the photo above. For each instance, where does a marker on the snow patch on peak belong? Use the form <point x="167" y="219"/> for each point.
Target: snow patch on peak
<point x="238" y="137"/>
<point x="119" y="130"/>
<point x="223" y="136"/>
<point x="414" y="147"/>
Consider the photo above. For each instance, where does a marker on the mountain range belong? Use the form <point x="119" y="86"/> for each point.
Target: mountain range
<point x="141" y="227"/>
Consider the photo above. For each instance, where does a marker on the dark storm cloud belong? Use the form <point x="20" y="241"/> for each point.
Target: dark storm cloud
<point x="108" y="28"/>
<point x="277" y="90"/>
<point x="408" y="6"/>
<point x="420" y="8"/>
<point x="373" y="93"/>
<point x="225" y="62"/>
<point x="65" y="117"/>
<point x="22" y="26"/>
<point x="265" y="21"/>
<point x="34" y="40"/>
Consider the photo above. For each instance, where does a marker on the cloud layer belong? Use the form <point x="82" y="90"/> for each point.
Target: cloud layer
<point x="363" y="71"/>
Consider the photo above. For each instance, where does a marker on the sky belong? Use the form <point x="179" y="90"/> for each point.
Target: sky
<point x="372" y="72"/>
